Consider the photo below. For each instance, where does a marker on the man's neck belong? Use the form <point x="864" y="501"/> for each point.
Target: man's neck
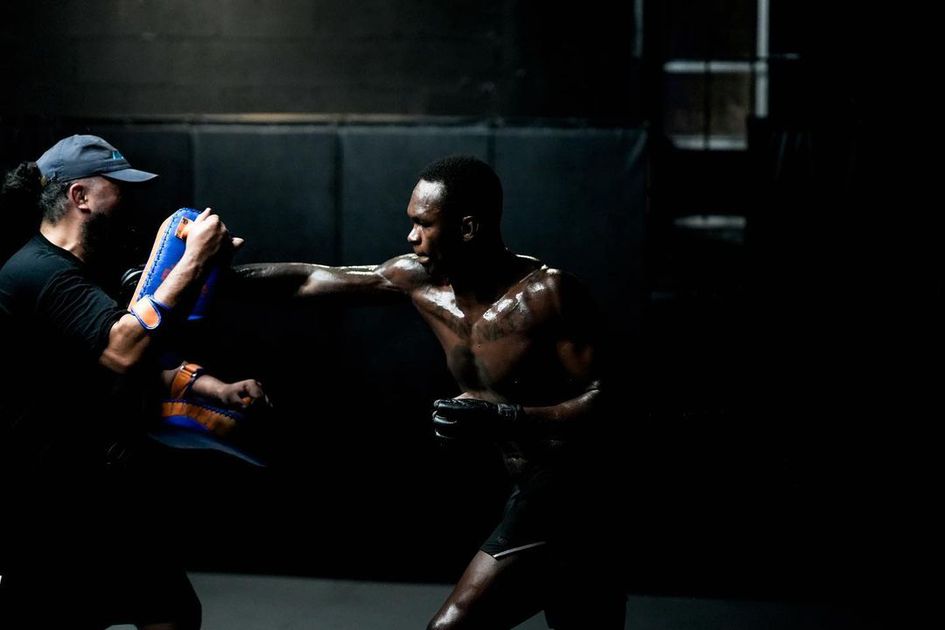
<point x="486" y="275"/>
<point x="64" y="235"/>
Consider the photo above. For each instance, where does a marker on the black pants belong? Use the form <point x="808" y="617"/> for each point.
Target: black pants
<point x="90" y="552"/>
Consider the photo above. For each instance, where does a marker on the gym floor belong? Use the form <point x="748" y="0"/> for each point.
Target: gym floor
<point x="244" y="602"/>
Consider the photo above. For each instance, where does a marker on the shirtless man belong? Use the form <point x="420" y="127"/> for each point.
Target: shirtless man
<point x="519" y="340"/>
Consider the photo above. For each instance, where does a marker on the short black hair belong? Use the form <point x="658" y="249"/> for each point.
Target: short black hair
<point x="470" y="187"/>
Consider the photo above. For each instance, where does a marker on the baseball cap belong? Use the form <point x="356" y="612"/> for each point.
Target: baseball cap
<point x="83" y="156"/>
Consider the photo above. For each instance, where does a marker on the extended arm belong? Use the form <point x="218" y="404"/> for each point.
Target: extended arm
<point x="372" y="283"/>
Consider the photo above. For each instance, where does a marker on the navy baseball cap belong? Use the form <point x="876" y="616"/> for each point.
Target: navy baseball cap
<point x="81" y="156"/>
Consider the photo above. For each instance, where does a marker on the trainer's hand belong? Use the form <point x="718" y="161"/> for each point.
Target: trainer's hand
<point x="471" y="418"/>
<point x="243" y="394"/>
<point x="207" y="236"/>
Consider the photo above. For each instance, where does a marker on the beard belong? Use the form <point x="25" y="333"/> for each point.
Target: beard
<point x="98" y="238"/>
<point x="105" y="243"/>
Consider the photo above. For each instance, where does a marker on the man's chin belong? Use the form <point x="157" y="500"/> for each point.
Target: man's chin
<point x="432" y="267"/>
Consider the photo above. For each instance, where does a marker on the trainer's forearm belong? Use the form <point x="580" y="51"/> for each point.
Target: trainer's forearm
<point x="206" y="385"/>
<point x="127" y="339"/>
<point x="182" y="276"/>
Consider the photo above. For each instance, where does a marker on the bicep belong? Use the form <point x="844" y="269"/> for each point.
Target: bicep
<point x="579" y="361"/>
<point x="580" y="327"/>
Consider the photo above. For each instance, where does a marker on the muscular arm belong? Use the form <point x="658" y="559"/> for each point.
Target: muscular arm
<point x="576" y="350"/>
<point x="370" y="283"/>
<point x="564" y="417"/>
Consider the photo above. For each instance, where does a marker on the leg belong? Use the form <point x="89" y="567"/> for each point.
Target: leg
<point x="585" y="595"/>
<point x="167" y="603"/>
<point x="493" y="594"/>
<point x="601" y="611"/>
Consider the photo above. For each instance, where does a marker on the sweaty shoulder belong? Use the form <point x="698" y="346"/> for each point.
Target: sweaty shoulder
<point x="560" y="290"/>
<point x="405" y="273"/>
<point x="539" y="278"/>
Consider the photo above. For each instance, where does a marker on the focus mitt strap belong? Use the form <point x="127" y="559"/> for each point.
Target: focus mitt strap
<point x="187" y="373"/>
<point x="149" y="312"/>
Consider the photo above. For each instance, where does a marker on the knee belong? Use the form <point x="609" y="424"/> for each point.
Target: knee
<point x="191" y="616"/>
<point x="186" y="616"/>
<point x="451" y="617"/>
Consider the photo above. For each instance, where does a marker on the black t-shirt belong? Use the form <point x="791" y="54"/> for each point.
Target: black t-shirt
<point x="75" y="533"/>
<point x="58" y="411"/>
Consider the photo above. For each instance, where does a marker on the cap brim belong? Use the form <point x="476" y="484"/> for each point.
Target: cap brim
<point x="178" y="437"/>
<point x="130" y="175"/>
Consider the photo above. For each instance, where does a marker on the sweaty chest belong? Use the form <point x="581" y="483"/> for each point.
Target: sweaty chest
<point x="489" y="348"/>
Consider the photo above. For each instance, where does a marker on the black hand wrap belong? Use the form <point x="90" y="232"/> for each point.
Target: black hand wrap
<point x="471" y="418"/>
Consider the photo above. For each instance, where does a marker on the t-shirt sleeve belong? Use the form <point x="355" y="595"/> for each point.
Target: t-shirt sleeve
<point x="80" y="311"/>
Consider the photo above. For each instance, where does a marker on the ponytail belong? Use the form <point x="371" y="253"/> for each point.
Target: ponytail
<point x="20" y="211"/>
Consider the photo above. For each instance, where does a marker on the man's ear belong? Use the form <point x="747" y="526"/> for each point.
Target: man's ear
<point x="78" y="194"/>
<point x="469" y="227"/>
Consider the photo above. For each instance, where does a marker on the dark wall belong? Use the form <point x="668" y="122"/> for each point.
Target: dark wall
<point x="498" y="58"/>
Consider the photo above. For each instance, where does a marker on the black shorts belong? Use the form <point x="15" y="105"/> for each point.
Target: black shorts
<point x="577" y="520"/>
<point x="527" y="520"/>
<point x="582" y="588"/>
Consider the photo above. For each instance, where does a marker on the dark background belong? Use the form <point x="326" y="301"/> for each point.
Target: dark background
<point x="750" y="362"/>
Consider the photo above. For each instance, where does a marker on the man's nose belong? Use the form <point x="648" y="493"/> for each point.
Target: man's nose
<point x="413" y="236"/>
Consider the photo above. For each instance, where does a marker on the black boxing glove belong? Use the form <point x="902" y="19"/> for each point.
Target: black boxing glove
<point x="471" y="418"/>
<point x="129" y="283"/>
